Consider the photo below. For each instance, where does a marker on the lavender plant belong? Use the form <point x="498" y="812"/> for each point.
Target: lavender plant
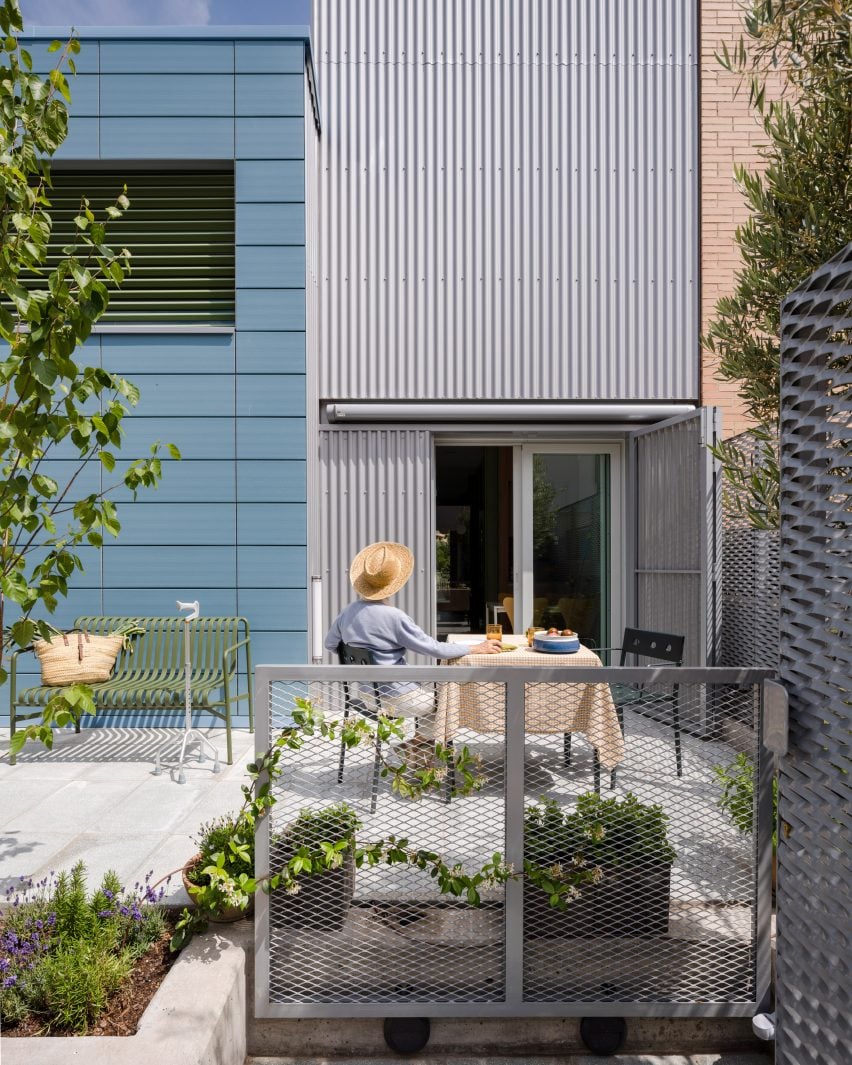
<point x="63" y="952"/>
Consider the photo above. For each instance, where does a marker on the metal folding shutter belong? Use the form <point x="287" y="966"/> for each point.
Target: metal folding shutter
<point x="676" y="503"/>
<point x="377" y="484"/>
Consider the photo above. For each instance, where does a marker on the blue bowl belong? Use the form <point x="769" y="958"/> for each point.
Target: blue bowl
<point x="557" y="645"/>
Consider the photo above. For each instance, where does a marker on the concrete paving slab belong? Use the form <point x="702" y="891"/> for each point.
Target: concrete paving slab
<point x="97" y="800"/>
<point x="75" y="806"/>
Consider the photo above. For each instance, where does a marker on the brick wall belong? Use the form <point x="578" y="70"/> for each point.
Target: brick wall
<point x="729" y="135"/>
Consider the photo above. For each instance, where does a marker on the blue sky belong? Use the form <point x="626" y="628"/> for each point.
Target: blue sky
<point x="165" y="12"/>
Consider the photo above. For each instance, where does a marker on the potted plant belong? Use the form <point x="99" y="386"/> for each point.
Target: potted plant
<point x="219" y="878"/>
<point x="624" y="842"/>
<point x="318" y="848"/>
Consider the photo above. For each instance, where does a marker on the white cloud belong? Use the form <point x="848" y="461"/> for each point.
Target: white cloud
<point x="115" y="12"/>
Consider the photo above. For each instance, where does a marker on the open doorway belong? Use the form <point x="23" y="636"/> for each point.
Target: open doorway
<point x="474" y="563"/>
<point x="560" y="571"/>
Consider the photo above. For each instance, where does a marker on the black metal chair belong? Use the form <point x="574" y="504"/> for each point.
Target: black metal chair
<point x="349" y="655"/>
<point x="652" y="647"/>
<point x="359" y="656"/>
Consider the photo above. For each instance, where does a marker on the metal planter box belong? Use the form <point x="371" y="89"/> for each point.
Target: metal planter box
<point x="322" y="902"/>
<point x="628" y="902"/>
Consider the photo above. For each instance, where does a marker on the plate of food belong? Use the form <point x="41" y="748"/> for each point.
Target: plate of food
<point x="556" y="642"/>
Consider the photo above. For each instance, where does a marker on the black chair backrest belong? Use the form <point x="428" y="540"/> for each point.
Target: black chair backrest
<point x="661" y="646"/>
<point x="353" y="656"/>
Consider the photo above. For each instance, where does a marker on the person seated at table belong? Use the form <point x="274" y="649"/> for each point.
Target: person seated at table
<point x="378" y="572"/>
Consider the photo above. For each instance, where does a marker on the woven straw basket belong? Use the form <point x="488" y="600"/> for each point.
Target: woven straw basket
<point x="77" y="658"/>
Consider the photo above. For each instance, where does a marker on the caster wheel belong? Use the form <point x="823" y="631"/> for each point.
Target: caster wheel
<point x="407" y="1035"/>
<point x="603" y="1036"/>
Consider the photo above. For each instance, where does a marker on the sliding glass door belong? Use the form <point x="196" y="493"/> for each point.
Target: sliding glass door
<point x="570" y="571"/>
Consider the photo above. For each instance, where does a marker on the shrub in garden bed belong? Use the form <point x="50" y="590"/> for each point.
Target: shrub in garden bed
<point x="64" y="953"/>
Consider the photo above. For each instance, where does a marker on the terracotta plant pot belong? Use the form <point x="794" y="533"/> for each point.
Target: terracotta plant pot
<point x="224" y="915"/>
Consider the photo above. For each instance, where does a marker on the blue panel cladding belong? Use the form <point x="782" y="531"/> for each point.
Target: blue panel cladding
<point x="86" y="61"/>
<point x="197" y="438"/>
<point x="188" y="481"/>
<point x="270" y="138"/>
<point x="271" y="395"/>
<point x="271" y="567"/>
<point x="269" y="57"/>
<point x="271" y="438"/>
<point x="167" y="138"/>
<point x="279" y="648"/>
<point x="270" y="94"/>
<point x="82" y="142"/>
<point x="152" y="95"/>
<point x="179" y="395"/>
<point x="163" y="354"/>
<point x="272" y="523"/>
<point x="156" y="601"/>
<point x="268" y="308"/>
<point x="228" y="524"/>
<point x="270" y="181"/>
<point x="175" y="524"/>
<point x="167" y="57"/>
<point x="276" y="266"/>
<point x="270" y="223"/>
<point x="273" y="609"/>
<point x="190" y="566"/>
<point x="270" y="352"/>
<point x="272" y="481"/>
<point x="84" y="95"/>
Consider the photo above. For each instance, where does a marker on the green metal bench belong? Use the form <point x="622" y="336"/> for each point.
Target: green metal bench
<point x="149" y="675"/>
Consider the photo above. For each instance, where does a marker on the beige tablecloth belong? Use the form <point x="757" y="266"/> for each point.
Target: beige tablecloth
<point x="550" y="708"/>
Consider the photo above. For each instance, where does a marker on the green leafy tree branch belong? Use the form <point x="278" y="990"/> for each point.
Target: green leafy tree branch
<point x="795" y="60"/>
<point x="48" y="399"/>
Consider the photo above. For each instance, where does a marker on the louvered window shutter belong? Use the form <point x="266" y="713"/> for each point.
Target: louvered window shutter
<point x="180" y="232"/>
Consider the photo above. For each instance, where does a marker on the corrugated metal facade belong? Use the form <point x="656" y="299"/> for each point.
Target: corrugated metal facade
<point x="508" y="199"/>
<point x="377" y="484"/>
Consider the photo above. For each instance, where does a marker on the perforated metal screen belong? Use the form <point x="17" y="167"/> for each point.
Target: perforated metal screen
<point x="668" y="915"/>
<point x="814" y="863"/>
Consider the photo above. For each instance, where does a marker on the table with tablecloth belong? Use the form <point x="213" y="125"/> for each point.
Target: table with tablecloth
<point x="550" y="707"/>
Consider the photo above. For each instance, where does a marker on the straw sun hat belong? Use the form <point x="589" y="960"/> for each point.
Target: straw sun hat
<point x="381" y="569"/>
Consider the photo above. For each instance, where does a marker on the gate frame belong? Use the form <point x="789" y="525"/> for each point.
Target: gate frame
<point x="513" y="1004"/>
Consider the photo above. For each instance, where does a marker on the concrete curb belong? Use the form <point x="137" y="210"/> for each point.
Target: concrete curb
<point x="197" y="1017"/>
<point x="581" y="1059"/>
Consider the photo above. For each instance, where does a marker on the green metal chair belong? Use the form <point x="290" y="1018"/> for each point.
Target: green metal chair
<point x="149" y="672"/>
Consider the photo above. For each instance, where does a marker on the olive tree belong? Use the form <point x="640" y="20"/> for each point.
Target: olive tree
<point x="795" y="59"/>
<point x="52" y="403"/>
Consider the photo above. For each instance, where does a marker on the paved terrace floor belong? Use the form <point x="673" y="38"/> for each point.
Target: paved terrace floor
<point x="96" y="799"/>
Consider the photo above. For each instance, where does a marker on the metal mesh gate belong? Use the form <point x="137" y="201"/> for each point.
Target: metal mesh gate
<point x="814" y="864"/>
<point x="628" y="889"/>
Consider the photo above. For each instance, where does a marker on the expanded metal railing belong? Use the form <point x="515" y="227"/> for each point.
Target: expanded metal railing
<point x="646" y="899"/>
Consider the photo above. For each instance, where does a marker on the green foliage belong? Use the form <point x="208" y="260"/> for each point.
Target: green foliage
<point x="72" y="987"/>
<point x="737" y="799"/>
<point x="48" y="308"/>
<point x="796" y="59"/>
<point x="319" y="839"/>
<point x="604" y="832"/>
<point x="63" y="953"/>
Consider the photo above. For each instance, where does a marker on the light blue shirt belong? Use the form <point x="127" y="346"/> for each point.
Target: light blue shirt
<point x="387" y="632"/>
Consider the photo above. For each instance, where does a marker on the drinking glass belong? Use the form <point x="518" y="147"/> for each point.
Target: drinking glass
<point x="494" y="631"/>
